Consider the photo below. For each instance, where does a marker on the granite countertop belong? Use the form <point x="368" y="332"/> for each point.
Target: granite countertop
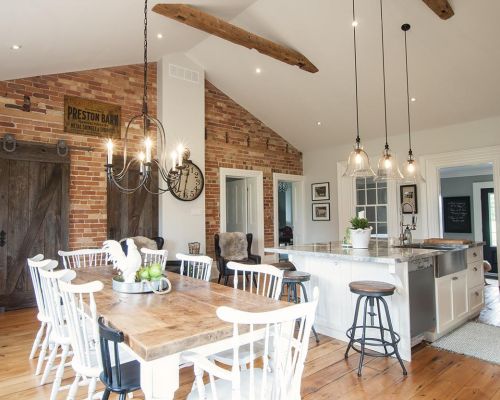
<point x="378" y="252"/>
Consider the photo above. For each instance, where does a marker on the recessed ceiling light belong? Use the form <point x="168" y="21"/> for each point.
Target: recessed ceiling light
<point x="16" y="46"/>
<point x="159" y="36"/>
<point x="258" y="70"/>
<point x="355" y="23"/>
<point x="318" y="123"/>
<point x="413" y="99"/>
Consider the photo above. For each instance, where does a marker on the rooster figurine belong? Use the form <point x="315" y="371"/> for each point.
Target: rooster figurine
<point x="127" y="264"/>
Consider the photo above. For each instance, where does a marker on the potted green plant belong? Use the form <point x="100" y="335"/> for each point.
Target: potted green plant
<point x="360" y="233"/>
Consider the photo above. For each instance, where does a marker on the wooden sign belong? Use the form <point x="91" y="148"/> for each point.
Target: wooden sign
<point x="91" y="117"/>
<point x="457" y="214"/>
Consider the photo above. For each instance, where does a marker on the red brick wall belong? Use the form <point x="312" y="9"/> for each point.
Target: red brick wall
<point x="119" y="85"/>
<point x="250" y="145"/>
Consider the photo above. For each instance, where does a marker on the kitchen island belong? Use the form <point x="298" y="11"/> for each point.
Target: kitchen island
<point x="333" y="267"/>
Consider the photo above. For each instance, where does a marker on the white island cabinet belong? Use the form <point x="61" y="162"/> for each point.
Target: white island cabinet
<point x="422" y="307"/>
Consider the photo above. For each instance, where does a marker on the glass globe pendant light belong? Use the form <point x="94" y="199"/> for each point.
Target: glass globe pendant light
<point x="387" y="168"/>
<point x="411" y="170"/>
<point x="358" y="163"/>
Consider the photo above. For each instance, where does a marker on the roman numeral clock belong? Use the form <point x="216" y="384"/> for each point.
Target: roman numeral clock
<point x="189" y="185"/>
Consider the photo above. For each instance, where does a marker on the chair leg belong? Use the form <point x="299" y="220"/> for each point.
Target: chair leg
<point x="74" y="387"/>
<point x="225" y="280"/>
<point x="43" y="350"/>
<point x="393" y="337"/>
<point x="304" y="292"/>
<point x="105" y="395"/>
<point x="59" y="373"/>
<point x="220" y="277"/>
<point x="38" y="339"/>
<point x="123" y="396"/>
<point x="50" y="363"/>
<point x="382" y="336"/>
<point x="363" y="337"/>
<point x="91" y="389"/>
<point x="353" y="327"/>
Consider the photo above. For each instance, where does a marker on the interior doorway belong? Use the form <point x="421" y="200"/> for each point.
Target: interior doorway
<point x="467" y="207"/>
<point x="242" y="204"/>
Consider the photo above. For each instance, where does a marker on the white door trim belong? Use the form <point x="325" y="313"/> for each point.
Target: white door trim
<point x="298" y="206"/>
<point x="476" y="200"/>
<point x="433" y="163"/>
<point x="243" y="173"/>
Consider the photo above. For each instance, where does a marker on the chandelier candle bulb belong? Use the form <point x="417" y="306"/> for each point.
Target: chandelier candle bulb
<point x="174" y="160"/>
<point x="109" y="145"/>
<point x="180" y="152"/>
<point x="141" y="162"/>
<point x="148" y="143"/>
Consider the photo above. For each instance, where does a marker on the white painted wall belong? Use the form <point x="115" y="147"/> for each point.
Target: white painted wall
<point x="321" y="165"/>
<point x="181" y="108"/>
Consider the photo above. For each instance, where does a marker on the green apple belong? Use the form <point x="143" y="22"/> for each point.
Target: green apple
<point x="155" y="270"/>
<point x="144" y="274"/>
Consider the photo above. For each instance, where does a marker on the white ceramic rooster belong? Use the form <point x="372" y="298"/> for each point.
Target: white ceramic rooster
<point x="127" y="264"/>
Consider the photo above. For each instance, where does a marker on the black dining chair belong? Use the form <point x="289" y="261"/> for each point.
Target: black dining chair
<point x="118" y="378"/>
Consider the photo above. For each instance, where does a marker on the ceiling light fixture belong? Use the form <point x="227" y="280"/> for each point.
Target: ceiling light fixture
<point x="16" y="47"/>
<point x="354" y="23"/>
<point x="159" y="36"/>
<point x="318" y="123"/>
<point x="411" y="170"/>
<point x="358" y="163"/>
<point x="128" y="183"/>
<point x="258" y="70"/>
<point x="387" y="168"/>
<point x="413" y="99"/>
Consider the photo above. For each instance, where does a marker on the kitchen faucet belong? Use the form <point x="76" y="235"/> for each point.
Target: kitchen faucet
<point x="405" y="235"/>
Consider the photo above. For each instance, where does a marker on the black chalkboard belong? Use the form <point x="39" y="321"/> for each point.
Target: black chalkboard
<point x="457" y="217"/>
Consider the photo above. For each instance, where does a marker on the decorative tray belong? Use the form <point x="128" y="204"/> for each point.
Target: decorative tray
<point x="160" y="286"/>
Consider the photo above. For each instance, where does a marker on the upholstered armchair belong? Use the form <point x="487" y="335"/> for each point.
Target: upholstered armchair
<point x="155" y="243"/>
<point x="233" y="246"/>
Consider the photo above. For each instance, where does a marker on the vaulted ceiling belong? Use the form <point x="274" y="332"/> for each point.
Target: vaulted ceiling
<point x="454" y="64"/>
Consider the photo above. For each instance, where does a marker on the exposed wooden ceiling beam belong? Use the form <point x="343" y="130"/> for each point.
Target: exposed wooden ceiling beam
<point x="208" y="23"/>
<point x="441" y="7"/>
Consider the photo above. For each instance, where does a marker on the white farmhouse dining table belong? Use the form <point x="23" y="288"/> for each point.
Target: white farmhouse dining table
<point x="158" y="328"/>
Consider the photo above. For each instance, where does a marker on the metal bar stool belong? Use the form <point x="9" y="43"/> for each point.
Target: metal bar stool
<point x="292" y="279"/>
<point x="373" y="292"/>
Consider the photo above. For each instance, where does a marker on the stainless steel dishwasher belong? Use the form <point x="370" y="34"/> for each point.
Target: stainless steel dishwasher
<point x="422" y="296"/>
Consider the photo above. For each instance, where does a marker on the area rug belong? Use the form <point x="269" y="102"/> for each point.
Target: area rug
<point x="473" y="339"/>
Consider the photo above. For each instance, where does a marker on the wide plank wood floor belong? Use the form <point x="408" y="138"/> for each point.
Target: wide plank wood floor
<point x="433" y="374"/>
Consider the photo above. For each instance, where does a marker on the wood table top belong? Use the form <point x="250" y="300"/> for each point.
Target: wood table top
<point x="159" y="325"/>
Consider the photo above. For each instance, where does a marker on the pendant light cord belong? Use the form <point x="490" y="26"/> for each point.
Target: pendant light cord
<point x="355" y="71"/>
<point x="383" y="72"/>
<point x="405" y="28"/>
<point x="145" y="98"/>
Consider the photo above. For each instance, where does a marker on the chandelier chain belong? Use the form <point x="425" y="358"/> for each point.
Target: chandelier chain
<point x="408" y="94"/>
<point x="355" y="71"/>
<point x="145" y="99"/>
<point x="383" y="72"/>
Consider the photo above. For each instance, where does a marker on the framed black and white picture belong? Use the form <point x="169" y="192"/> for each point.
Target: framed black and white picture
<point x="320" y="191"/>
<point x="321" y="212"/>
<point x="408" y="197"/>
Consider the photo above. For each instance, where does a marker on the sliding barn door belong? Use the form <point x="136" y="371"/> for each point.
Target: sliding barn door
<point x="34" y="197"/>
<point x="133" y="214"/>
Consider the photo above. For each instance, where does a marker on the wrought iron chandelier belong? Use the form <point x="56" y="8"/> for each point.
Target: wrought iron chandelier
<point x="145" y="160"/>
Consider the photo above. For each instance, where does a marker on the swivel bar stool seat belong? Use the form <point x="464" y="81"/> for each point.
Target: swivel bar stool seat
<point x="373" y="292"/>
<point x="292" y="279"/>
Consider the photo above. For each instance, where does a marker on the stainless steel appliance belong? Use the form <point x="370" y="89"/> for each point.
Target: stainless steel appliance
<point x="422" y="296"/>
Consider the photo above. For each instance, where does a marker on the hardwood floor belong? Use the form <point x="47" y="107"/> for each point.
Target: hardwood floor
<point x="433" y="374"/>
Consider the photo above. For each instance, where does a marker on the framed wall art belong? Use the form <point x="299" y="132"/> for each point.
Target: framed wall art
<point x="320" y="191"/>
<point x="408" y="199"/>
<point x="321" y="212"/>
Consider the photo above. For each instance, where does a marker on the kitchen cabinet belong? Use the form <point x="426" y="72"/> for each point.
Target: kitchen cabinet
<point x="452" y="300"/>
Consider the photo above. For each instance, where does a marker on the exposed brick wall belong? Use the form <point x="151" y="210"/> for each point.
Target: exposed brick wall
<point x="44" y="124"/>
<point x="250" y="145"/>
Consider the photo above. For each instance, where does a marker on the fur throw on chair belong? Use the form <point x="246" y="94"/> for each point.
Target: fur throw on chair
<point x="233" y="245"/>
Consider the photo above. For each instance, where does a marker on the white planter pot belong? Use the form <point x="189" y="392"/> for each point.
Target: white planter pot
<point x="360" y="238"/>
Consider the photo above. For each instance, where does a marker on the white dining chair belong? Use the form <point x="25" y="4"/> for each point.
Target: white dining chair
<point x="150" y="256"/>
<point x="83" y="258"/>
<point x="264" y="280"/>
<point x="44" y="332"/>
<point x="286" y="338"/>
<point x="198" y="267"/>
<point x="59" y="335"/>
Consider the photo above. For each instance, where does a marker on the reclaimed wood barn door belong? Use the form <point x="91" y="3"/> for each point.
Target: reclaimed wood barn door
<point x="34" y="213"/>
<point x="133" y="214"/>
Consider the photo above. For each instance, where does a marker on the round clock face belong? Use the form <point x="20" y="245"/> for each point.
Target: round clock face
<point x="190" y="184"/>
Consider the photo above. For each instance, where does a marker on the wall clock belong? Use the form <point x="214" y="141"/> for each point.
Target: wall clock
<point x="190" y="184"/>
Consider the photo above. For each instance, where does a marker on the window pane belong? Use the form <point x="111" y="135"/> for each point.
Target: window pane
<point x="382" y="196"/>
<point x="360" y="183"/>
<point x="381" y="214"/>
<point x="382" y="229"/>
<point x="381" y="184"/>
<point x="493" y="222"/>
<point x="370" y="183"/>
<point x="371" y="196"/>
<point x="360" y="197"/>
<point x="370" y="214"/>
